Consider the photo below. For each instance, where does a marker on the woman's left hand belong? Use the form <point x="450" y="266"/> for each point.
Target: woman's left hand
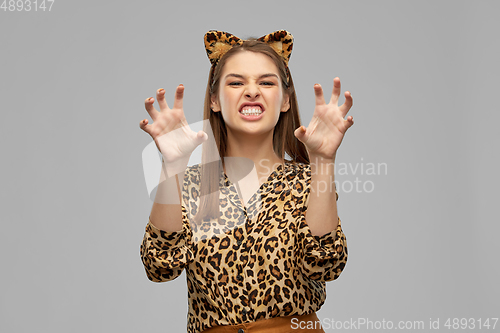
<point x="327" y="128"/>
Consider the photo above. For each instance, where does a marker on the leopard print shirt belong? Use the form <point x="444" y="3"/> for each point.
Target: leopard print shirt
<point x="255" y="262"/>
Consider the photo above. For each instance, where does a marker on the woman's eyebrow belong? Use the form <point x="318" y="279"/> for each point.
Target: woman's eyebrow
<point x="268" y="75"/>
<point x="234" y="75"/>
<point x="260" y="77"/>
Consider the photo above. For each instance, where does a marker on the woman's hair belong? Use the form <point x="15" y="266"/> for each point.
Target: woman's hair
<point x="284" y="140"/>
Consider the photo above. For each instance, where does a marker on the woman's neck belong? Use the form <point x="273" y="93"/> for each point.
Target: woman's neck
<point x="257" y="149"/>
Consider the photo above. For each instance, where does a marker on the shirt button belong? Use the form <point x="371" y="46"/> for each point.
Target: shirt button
<point x="241" y="330"/>
<point x="239" y="242"/>
<point x="239" y="278"/>
<point x="244" y="311"/>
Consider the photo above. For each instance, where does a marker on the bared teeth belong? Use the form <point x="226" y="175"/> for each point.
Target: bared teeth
<point x="251" y="110"/>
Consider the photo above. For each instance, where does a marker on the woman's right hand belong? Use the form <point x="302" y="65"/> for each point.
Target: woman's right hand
<point x="170" y="130"/>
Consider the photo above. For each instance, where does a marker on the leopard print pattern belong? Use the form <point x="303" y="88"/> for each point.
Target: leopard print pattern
<point x="255" y="262"/>
<point x="282" y="42"/>
<point x="217" y="43"/>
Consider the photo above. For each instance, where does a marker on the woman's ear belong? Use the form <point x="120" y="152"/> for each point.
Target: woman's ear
<point x="286" y="103"/>
<point x="215" y="104"/>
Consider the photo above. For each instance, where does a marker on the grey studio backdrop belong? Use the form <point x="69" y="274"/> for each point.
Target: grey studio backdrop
<point x="422" y="227"/>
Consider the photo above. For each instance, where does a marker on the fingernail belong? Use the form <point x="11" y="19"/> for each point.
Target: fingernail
<point x="161" y="91"/>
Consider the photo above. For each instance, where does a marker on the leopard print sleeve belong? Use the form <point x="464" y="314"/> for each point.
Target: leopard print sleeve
<point x="165" y="254"/>
<point x="322" y="257"/>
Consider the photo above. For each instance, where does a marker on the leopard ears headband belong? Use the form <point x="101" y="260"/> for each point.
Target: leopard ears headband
<point x="217" y="43"/>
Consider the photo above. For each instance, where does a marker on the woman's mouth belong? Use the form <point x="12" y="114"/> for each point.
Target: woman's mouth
<point x="251" y="111"/>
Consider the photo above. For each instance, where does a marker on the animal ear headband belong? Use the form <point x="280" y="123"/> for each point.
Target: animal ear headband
<point x="217" y="43"/>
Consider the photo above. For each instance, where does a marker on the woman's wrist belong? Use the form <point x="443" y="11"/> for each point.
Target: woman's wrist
<point x="321" y="163"/>
<point x="174" y="167"/>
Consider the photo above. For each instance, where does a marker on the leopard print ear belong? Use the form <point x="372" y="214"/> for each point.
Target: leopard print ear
<point x="282" y="42"/>
<point x="217" y="43"/>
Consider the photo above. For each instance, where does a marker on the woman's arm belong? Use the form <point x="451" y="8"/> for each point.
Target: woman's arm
<point x="321" y="214"/>
<point x="176" y="141"/>
<point x="165" y="249"/>
<point x="322" y="138"/>
<point x="166" y="213"/>
<point x="321" y="258"/>
<point x="165" y="254"/>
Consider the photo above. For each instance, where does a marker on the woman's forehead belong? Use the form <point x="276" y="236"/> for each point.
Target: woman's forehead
<point x="249" y="63"/>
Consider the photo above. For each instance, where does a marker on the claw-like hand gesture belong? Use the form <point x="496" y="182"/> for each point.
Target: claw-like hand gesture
<point x="170" y="130"/>
<point x="326" y="130"/>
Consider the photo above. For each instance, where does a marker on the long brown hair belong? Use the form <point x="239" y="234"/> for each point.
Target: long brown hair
<point x="284" y="140"/>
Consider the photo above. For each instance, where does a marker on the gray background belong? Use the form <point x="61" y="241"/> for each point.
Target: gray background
<point x="424" y="77"/>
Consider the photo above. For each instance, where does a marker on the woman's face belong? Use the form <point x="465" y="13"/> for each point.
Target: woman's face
<point x="250" y="94"/>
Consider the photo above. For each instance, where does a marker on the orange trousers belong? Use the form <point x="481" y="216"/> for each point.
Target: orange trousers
<point x="274" y="325"/>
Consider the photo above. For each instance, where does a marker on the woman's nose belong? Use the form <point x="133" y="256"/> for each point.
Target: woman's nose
<point x="252" y="91"/>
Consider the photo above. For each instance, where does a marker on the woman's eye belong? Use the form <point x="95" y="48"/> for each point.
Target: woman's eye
<point x="267" y="83"/>
<point x="235" y="83"/>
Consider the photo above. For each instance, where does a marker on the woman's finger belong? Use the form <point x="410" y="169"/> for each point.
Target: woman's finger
<point x="160" y="97"/>
<point x="318" y="92"/>
<point x="300" y="133"/>
<point x="335" y="91"/>
<point x="179" y="94"/>
<point x="350" y="122"/>
<point x="201" y="137"/>
<point x="144" y="126"/>
<point x="148" y="103"/>
<point x="347" y="104"/>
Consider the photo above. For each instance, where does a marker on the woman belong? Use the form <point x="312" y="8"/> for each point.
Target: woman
<point x="257" y="246"/>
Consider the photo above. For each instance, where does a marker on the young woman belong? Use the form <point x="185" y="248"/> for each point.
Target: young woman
<point x="257" y="233"/>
